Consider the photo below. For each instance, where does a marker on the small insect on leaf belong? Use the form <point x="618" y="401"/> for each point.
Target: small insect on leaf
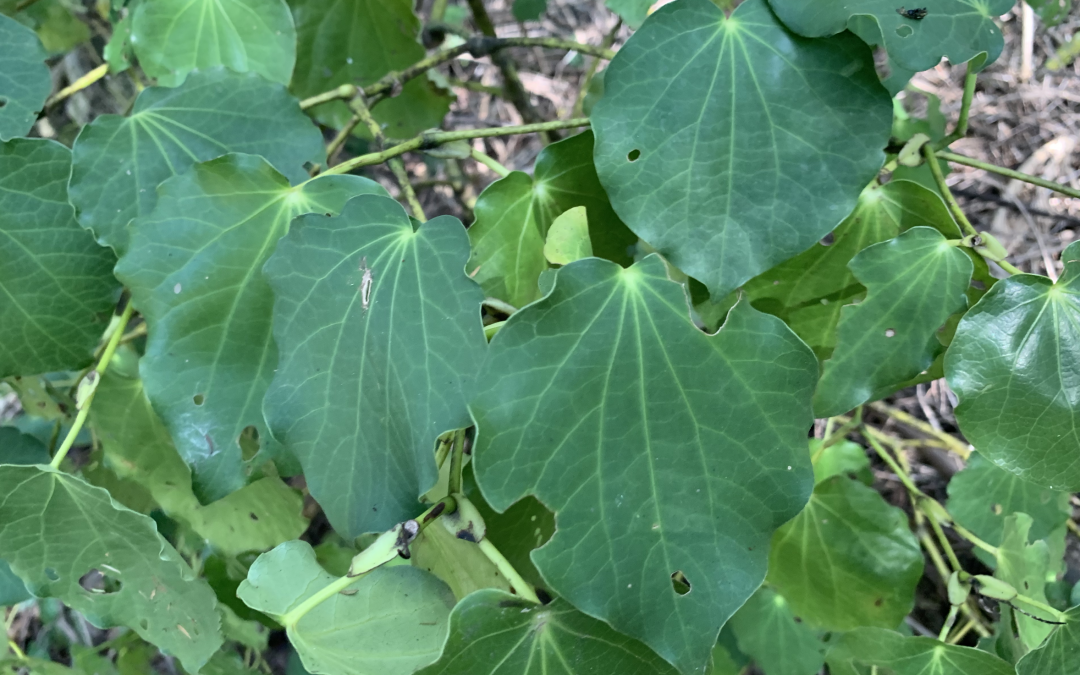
<point x="366" y="280"/>
<point x="915" y="14"/>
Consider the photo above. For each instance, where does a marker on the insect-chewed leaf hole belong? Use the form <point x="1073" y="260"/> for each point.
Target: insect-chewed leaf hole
<point x="249" y="442"/>
<point x="904" y="31"/>
<point x="828" y="239"/>
<point x="99" y="582"/>
<point x="51" y="574"/>
<point x="633" y="155"/>
<point x="680" y="583"/>
<point x="3" y="101"/>
<point x="198" y="399"/>
<point x="889" y="332"/>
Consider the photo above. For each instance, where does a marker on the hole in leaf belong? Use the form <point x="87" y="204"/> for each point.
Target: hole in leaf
<point x="889" y="332"/>
<point x="680" y="583"/>
<point x="100" y="583"/>
<point x="51" y="573"/>
<point x="996" y="508"/>
<point x="827" y="240"/>
<point x="978" y="285"/>
<point x="249" y="442"/>
<point x="198" y="399"/>
<point x="633" y="155"/>
<point x="3" y="101"/>
<point x="904" y="31"/>
<point x="144" y="624"/>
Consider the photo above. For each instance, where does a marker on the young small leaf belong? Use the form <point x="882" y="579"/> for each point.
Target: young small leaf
<point x="1014" y="364"/>
<point x="495" y="633"/>
<point x="848" y="560"/>
<point x="57" y="284"/>
<point x="600" y="400"/>
<point x="568" y="237"/>
<point x="390" y="622"/>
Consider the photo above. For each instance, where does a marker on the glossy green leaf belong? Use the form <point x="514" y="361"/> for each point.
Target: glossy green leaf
<point x="495" y="633"/>
<point x="513" y="215"/>
<point x="809" y="290"/>
<point x="54" y="528"/>
<point x="633" y="12"/>
<point x="914" y="282"/>
<point x="460" y="564"/>
<point x="24" y="78"/>
<point x="848" y="560"/>
<point x="1060" y="655"/>
<point x="840" y="459"/>
<point x="391" y="621"/>
<point x="357" y="42"/>
<point x="380" y="336"/>
<point x="778" y="641"/>
<point x="703" y="154"/>
<point x="983" y="495"/>
<point x="174" y="37"/>
<point x="957" y="29"/>
<point x="57" y="285"/>
<point x="118" y="162"/>
<point x="194" y="267"/>
<point x="600" y="400"/>
<point x="1015" y="365"/>
<point x="1025" y="567"/>
<point x="19" y="448"/>
<point x="257" y="517"/>
<point x="517" y="531"/>
<point x="909" y="656"/>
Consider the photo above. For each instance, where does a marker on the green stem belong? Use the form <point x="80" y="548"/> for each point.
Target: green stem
<point x="949" y="442"/>
<point x="1009" y="267"/>
<point x="457" y="459"/>
<point x="343" y="92"/>
<point x="943" y="540"/>
<point x="96" y="373"/>
<point x="520" y="586"/>
<point x="397" y="167"/>
<point x="949" y="621"/>
<point x="970" y="536"/>
<point x="342" y="136"/>
<point x="993" y="168"/>
<point x="950" y="201"/>
<point x="500" y="306"/>
<point x="839" y="434"/>
<point x="1032" y="602"/>
<point x="959" y="635"/>
<point x="869" y="434"/>
<point x="489" y="162"/>
<point x="432" y="139"/>
<point x="965" y="107"/>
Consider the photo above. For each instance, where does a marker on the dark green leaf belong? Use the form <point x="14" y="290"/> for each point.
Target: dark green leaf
<point x="529" y="10"/>
<point x="600" y="400"/>
<point x="380" y="336"/>
<point x="56" y="282"/>
<point x="513" y="215"/>
<point x="1015" y="363"/>
<point x="909" y="656"/>
<point x="703" y="154"/>
<point x="194" y="267"/>
<point x="983" y="495"/>
<point x="24" y="78"/>
<point x="956" y="29"/>
<point x="495" y="633"/>
<point x="391" y="621"/>
<point x="118" y="162"/>
<point x="54" y="529"/>
<point x="257" y="517"/>
<point x="174" y="37"/>
<point x="357" y="42"/>
<point x="914" y="282"/>
<point x="19" y="448"/>
<point x="848" y="560"/>
<point x="12" y="588"/>
<point x="778" y="641"/>
<point x="633" y="12"/>
<point x="1060" y="655"/>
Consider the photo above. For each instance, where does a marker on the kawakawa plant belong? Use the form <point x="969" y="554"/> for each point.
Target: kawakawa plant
<point x="574" y="437"/>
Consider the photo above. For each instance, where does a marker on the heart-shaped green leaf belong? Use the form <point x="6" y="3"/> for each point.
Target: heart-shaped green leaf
<point x="909" y="656"/>
<point x="914" y="282"/>
<point x="600" y="399"/>
<point x="1015" y="363"/>
<point x="956" y="29"/>
<point x="357" y="42"/>
<point x="24" y="78"/>
<point x="118" y="162"/>
<point x="54" y="529"/>
<point x="380" y="337"/>
<point x="391" y="622"/>
<point x="705" y="157"/>
<point x="1059" y="654"/>
<point x="194" y="267"/>
<point x="56" y="283"/>
<point x="983" y="495"/>
<point x="256" y="517"/>
<point x="513" y="215"/>
<point x="778" y="641"/>
<point x="174" y="37"/>
<point x="495" y="633"/>
<point x="848" y="560"/>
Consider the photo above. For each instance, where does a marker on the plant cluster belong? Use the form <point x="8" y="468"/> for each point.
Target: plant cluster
<point x="576" y="436"/>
